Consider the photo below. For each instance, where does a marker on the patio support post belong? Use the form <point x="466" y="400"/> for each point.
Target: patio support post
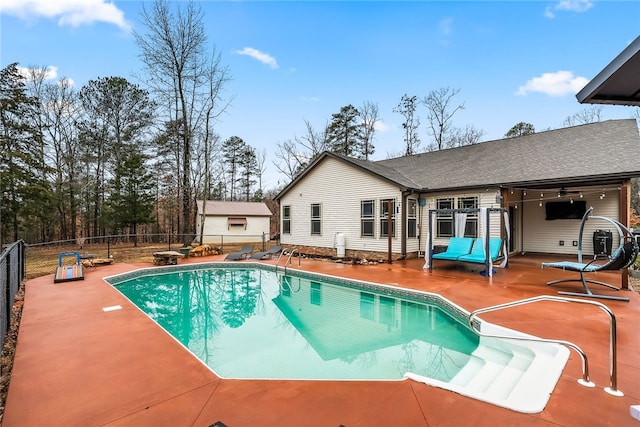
<point x="488" y="267"/>
<point x="504" y="204"/>
<point x="625" y="203"/>
<point x="403" y="221"/>
<point x="430" y="240"/>
<point x="390" y="216"/>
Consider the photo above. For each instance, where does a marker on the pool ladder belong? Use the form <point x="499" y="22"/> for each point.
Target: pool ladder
<point x="288" y="261"/>
<point x="585" y="381"/>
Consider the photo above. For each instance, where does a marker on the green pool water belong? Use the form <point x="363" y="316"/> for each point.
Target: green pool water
<point x="254" y="323"/>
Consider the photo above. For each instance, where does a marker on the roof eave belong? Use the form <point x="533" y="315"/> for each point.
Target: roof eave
<point x="590" y="94"/>
<point x="608" y="179"/>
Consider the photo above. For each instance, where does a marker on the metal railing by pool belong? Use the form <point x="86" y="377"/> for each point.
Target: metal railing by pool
<point x="585" y="380"/>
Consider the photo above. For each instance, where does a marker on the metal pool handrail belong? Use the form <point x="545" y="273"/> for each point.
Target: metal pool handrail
<point x="613" y="370"/>
<point x="288" y="259"/>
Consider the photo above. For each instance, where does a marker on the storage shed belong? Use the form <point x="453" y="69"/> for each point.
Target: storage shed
<point x="232" y="222"/>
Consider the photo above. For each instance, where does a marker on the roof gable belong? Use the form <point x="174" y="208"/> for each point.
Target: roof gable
<point x="376" y="169"/>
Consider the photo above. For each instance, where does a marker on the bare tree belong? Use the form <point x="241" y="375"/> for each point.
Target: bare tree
<point x="290" y="160"/>
<point x="407" y="108"/>
<point x="440" y="111"/>
<point x="261" y="169"/>
<point x="179" y="68"/>
<point x="295" y="155"/>
<point x="57" y="110"/>
<point x="213" y="107"/>
<point x="468" y="135"/>
<point x="369" y="116"/>
<point x="314" y="142"/>
<point x="583" y="117"/>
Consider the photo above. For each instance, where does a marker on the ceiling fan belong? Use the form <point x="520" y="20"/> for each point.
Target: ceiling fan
<point x="564" y="192"/>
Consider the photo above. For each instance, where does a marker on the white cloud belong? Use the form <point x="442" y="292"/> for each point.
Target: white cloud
<point x="66" y="82"/>
<point x="50" y="72"/>
<point x="559" y="83"/>
<point x="265" y="58"/>
<point x="579" y="6"/>
<point x="381" y="126"/>
<point x="446" y="26"/>
<point x="68" y="12"/>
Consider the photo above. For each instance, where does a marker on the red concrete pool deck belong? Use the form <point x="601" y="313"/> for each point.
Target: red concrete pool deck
<point x="78" y="365"/>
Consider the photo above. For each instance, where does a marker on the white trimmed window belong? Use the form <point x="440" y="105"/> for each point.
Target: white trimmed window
<point x="286" y="219"/>
<point x="367" y="218"/>
<point x="444" y="221"/>
<point x="471" y="227"/>
<point x="316" y="219"/>
<point x="412" y="218"/>
<point x="384" y="217"/>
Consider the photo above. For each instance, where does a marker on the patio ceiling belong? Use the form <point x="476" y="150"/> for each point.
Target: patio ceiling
<point x="618" y="83"/>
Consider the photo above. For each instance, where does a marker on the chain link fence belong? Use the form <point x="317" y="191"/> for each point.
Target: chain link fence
<point x="42" y="258"/>
<point x="12" y="271"/>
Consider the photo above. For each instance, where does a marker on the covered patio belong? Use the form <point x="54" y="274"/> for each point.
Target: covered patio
<point x="79" y="364"/>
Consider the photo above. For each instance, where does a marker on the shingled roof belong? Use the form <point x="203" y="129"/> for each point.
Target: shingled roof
<point x="590" y="153"/>
<point x="595" y="153"/>
<point x="224" y="208"/>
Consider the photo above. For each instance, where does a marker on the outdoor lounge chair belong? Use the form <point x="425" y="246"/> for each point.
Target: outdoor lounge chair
<point x="242" y="254"/>
<point x="268" y="253"/>
<point x="477" y="254"/>
<point x="623" y="257"/>
<point x="458" y="246"/>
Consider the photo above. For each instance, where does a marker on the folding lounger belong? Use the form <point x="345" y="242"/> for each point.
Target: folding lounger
<point x="242" y="254"/>
<point x="268" y="253"/>
<point x="458" y="246"/>
<point x="622" y="258"/>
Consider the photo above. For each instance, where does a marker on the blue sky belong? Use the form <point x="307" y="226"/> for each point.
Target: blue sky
<point x="292" y="61"/>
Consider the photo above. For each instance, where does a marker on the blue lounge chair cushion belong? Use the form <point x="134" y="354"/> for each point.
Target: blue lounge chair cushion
<point x="478" y="256"/>
<point x="572" y="266"/>
<point x="458" y="246"/>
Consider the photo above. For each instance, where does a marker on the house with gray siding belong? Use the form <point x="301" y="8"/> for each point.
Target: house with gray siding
<point x="380" y="209"/>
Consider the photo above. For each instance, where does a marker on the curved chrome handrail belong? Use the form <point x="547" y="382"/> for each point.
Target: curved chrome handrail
<point x="294" y="250"/>
<point x="613" y="370"/>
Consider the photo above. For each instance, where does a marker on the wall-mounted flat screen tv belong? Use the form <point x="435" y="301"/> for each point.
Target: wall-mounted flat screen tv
<point x="565" y="210"/>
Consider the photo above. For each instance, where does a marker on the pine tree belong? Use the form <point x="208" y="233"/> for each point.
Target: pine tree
<point x="21" y="189"/>
<point x="232" y="150"/>
<point x="344" y="134"/>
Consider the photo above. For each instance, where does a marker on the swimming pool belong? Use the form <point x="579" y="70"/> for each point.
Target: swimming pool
<point x="247" y="321"/>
